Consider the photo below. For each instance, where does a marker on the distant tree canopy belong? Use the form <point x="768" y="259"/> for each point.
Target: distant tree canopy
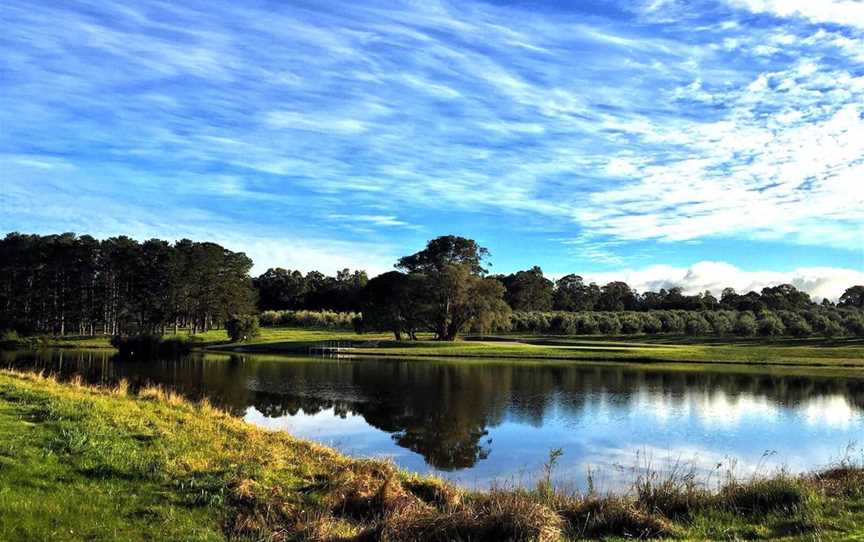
<point x="572" y="294"/>
<point x="281" y="289"/>
<point x="65" y="283"/>
<point x="68" y="284"/>
<point x="818" y="321"/>
<point x="617" y="296"/>
<point x="528" y="290"/>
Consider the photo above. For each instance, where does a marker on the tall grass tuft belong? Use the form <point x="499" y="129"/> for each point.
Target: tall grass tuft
<point x="675" y="493"/>
<point x="122" y="387"/>
<point x="158" y="393"/>
<point x="762" y="495"/>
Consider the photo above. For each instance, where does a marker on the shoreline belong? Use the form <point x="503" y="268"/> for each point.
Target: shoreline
<point x="841" y="354"/>
<point x="383" y="353"/>
<point x="220" y="478"/>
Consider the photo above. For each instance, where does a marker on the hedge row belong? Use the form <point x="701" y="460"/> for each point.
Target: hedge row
<point x="825" y="322"/>
<point x="315" y="319"/>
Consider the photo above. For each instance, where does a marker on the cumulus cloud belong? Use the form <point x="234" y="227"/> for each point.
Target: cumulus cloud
<point x="311" y="254"/>
<point x="819" y="282"/>
<point x="841" y="12"/>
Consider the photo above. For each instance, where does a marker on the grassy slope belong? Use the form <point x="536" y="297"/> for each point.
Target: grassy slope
<point x="83" y="464"/>
<point x="80" y="463"/>
<point x="804" y="352"/>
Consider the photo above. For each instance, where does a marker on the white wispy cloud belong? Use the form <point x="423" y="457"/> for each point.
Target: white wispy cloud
<point x="841" y="12"/>
<point x="790" y="152"/>
<point x="312" y="254"/>
<point x="319" y="123"/>
<point x="690" y="121"/>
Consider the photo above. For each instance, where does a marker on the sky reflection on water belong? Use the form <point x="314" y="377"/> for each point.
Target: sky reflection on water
<point x="496" y="422"/>
<point x="611" y="437"/>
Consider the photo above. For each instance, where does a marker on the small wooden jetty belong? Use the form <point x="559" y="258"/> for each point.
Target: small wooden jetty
<point x="336" y="349"/>
<point x="331" y="349"/>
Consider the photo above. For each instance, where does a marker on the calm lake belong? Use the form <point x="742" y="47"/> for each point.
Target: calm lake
<point x="481" y="423"/>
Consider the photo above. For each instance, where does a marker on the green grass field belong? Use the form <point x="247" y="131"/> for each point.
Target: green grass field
<point x="82" y="463"/>
<point x="836" y="353"/>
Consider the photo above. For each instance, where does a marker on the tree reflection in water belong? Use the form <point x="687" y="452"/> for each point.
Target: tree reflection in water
<point x="440" y="410"/>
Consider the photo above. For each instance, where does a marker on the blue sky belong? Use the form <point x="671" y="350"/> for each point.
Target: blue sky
<point x="646" y="140"/>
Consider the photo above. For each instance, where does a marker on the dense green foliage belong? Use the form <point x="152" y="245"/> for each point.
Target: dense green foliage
<point x="392" y="302"/>
<point x="443" y="290"/>
<point x="280" y="289"/>
<point x="59" y="284"/>
<point x="815" y="321"/>
<point x="310" y="319"/>
<point x="527" y="290"/>
<point x="242" y="328"/>
<point x="69" y="285"/>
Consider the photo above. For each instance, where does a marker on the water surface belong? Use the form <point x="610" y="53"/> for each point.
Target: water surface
<point x="480" y="423"/>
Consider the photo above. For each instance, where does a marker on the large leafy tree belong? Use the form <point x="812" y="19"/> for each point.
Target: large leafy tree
<point x="391" y="302"/>
<point x="446" y="251"/>
<point x="455" y="299"/>
<point x="455" y="294"/>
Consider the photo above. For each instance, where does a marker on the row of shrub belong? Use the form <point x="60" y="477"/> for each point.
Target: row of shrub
<point x="146" y="346"/>
<point x="314" y="319"/>
<point x="815" y="322"/>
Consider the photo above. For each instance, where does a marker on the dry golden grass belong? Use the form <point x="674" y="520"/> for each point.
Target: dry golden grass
<point x="594" y="517"/>
<point x="158" y="393"/>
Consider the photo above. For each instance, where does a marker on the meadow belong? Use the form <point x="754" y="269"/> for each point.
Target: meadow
<point x="680" y="349"/>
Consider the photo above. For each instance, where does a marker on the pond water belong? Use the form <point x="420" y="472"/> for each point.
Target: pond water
<point x="489" y="422"/>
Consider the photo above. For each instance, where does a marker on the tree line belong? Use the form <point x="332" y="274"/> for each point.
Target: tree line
<point x="816" y="321"/>
<point x="445" y="289"/>
<point x="286" y="290"/>
<point x="530" y="290"/>
<point x="66" y="284"/>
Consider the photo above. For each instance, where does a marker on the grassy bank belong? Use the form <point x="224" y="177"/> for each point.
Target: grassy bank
<point x="79" y="463"/>
<point x="658" y="349"/>
<point x="836" y="353"/>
